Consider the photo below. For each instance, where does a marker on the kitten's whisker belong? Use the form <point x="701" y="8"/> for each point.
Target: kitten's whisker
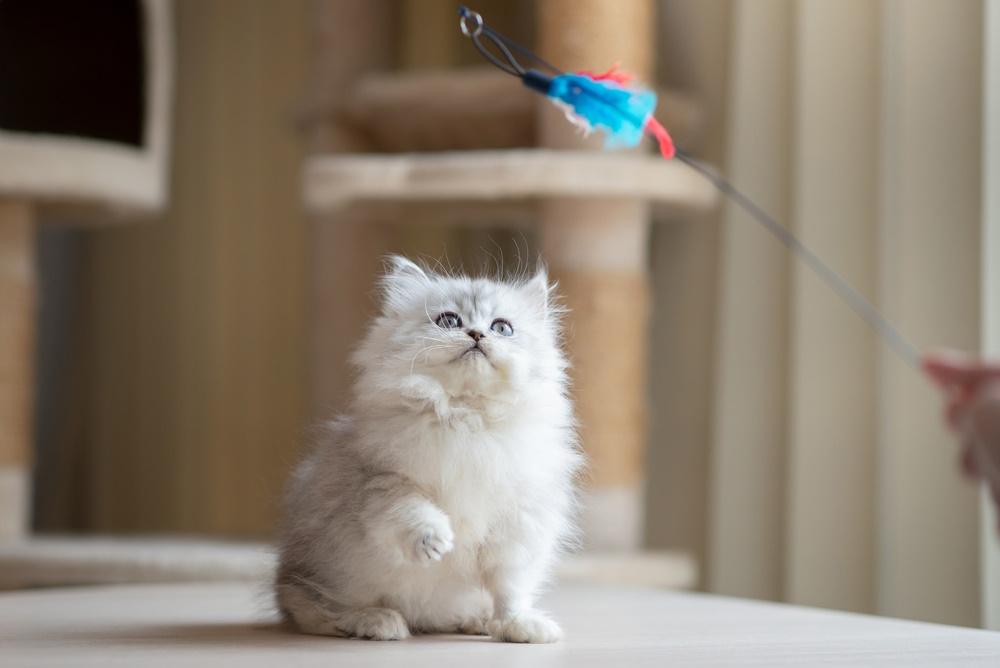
<point x="492" y="257"/>
<point x="424" y="351"/>
<point x="523" y="263"/>
<point x="439" y="266"/>
<point x="500" y="264"/>
<point x="430" y="318"/>
<point x="517" y="268"/>
<point x="447" y="270"/>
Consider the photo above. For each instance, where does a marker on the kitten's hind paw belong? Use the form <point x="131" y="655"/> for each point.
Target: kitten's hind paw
<point x="474" y="627"/>
<point x="528" y="626"/>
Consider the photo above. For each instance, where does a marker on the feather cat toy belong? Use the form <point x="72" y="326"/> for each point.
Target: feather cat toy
<point x="604" y="102"/>
<point x="611" y="104"/>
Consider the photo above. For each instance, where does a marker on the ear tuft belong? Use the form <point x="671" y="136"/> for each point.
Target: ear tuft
<point x="399" y="266"/>
<point x="403" y="284"/>
<point x="537" y="289"/>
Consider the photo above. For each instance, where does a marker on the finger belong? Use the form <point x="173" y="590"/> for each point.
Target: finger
<point x="946" y="367"/>
<point x="982" y="418"/>
<point x="967" y="462"/>
<point x="957" y="405"/>
<point x="953" y="411"/>
<point x="949" y="368"/>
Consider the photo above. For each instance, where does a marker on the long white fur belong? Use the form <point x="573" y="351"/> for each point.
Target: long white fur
<point x="443" y="498"/>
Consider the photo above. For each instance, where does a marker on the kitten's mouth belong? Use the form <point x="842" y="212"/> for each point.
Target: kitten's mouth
<point x="474" y="350"/>
<point x="473" y="353"/>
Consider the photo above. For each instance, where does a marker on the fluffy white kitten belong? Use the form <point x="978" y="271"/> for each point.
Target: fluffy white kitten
<point x="440" y="502"/>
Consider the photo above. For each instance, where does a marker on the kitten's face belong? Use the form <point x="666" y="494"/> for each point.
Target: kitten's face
<point x="470" y="335"/>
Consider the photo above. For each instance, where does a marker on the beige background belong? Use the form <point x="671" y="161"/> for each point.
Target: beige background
<point x="856" y="503"/>
<point x="189" y="400"/>
<point x="790" y="452"/>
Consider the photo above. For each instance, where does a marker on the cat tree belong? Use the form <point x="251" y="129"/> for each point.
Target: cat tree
<point x="479" y="149"/>
<point x="50" y="172"/>
<point x="465" y="133"/>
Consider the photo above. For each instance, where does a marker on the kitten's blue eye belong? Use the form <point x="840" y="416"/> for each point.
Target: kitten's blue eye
<point x="502" y="327"/>
<point x="449" y="320"/>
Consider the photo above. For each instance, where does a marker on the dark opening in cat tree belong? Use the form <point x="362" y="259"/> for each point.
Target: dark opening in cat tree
<point x="73" y="67"/>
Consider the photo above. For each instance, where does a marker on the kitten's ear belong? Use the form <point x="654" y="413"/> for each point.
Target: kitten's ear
<point x="537" y="290"/>
<point x="398" y="266"/>
<point x="403" y="282"/>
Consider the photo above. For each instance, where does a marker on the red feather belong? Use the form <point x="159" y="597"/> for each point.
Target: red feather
<point x="623" y="78"/>
<point x="654" y="128"/>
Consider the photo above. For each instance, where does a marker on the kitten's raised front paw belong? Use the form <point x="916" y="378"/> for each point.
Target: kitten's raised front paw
<point x="528" y="626"/>
<point x="433" y="542"/>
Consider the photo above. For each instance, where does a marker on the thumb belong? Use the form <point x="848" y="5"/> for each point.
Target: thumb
<point x="951" y="368"/>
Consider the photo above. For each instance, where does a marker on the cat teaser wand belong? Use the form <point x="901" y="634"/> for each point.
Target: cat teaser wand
<point x="610" y="103"/>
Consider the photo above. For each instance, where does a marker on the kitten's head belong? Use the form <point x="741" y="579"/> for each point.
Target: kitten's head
<point x="460" y="335"/>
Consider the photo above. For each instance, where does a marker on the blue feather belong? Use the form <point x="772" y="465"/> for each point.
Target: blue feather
<point x="620" y="112"/>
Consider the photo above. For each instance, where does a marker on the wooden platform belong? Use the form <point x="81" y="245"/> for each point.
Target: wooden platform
<point x="331" y="183"/>
<point x="231" y="625"/>
<point x="49" y="561"/>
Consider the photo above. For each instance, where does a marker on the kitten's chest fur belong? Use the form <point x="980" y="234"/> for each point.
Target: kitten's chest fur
<point x="479" y="472"/>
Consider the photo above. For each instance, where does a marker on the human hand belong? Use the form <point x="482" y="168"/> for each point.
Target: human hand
<point x="972" y="410"/>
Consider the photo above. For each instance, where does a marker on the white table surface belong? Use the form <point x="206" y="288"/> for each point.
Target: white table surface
<point x="230" y="625"/>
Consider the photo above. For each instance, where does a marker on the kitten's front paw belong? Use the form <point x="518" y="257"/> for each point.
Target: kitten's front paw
<point x="433" y="542"/>
<point x="528" y="626"/>
<point x="376" y="624"/>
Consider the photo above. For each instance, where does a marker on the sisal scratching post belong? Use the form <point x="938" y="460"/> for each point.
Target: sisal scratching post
<point x="597" y="248"/>
<point x="17" y="320"/>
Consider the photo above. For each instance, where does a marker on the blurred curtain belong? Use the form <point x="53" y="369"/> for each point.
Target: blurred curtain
<point x="990" y="298"/>
<point x="188" y="401"/>
<point x="833" y="480"/>
<point x="693" y="55"/>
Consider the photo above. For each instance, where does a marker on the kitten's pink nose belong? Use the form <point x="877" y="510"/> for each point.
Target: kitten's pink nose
<point x="475" y="334"/>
